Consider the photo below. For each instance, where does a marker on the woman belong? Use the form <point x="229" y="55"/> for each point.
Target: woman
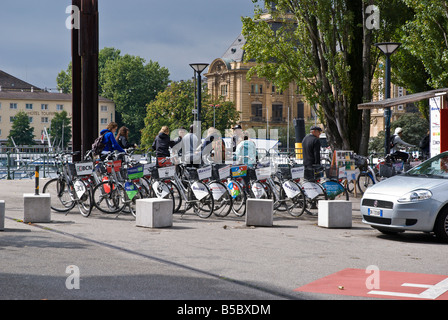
<point x="109" y="139"/>
<point x="162" y="144"/>
<point x="122" y="138"/>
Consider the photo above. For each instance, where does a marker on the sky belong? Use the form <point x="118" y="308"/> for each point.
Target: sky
<point x="35" y="43"/>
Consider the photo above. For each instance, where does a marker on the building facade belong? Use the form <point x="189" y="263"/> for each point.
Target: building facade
<point x="41" y="106"/>
<point x="259" y="102"/>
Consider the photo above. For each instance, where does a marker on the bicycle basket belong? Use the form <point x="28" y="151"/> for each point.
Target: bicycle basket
<point x="285" y="171"/>
<point x="191" y="174"/>
<point x="220" y="171"/>
<point x="135" y="172"/>
<point x="361" y="162"/>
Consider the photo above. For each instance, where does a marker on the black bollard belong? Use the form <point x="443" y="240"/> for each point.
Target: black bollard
<point x="36" y="177"/>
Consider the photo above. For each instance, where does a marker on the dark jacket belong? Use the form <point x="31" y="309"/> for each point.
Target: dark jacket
<point x="162" y="144"/>
<point x="311" y="150"/>
<point x="124" y="143"/>
<point x="110" y="142"/>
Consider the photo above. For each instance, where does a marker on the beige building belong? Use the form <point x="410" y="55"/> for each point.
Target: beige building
<point x="40" y="105"/>
<point x="260" y="103"/>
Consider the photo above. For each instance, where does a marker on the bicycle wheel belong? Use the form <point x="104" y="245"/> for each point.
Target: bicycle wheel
<point x="131" y="204"/>
<point x="61" y="199"/>
<point x="202" y="199"/>
<point x="176" y="195"/>
<point x="109" y="197"/>
<point x="313" y="192"/>
<point x="239" y="197"/>
<point x="364" y="181"/>
<point x="83" y="197"/>
<point x="292" y="198"/>
<point x="222" y="198"/>
<point x="162" y="190"/>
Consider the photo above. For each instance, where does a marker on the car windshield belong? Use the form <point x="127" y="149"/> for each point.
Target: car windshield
<point x="436" y="167"/>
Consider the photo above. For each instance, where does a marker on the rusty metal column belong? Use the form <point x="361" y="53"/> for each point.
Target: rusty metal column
<point x="76" y="88"/>
<point x="89" y="49"/>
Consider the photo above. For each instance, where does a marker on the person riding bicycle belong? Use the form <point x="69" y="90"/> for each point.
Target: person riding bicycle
<point x="396" y="140"/>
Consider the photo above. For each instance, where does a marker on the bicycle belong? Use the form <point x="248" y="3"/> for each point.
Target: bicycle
<point x="221" y="194"/>
<point x="286" y="192"/>
<point x="367" y="176"/>
<point x="68" y="189"/>
<point x="193" y="192"/>
<point x="116" y="192"/>
<point x="314" y="191"/>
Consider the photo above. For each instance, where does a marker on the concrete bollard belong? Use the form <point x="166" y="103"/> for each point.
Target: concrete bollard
<point x="37" y="208"/>
<point x="154" y="213"/>
<point x="259" y="212"/>
<point x="2" y="215"/>
<point x="335" y="214"/>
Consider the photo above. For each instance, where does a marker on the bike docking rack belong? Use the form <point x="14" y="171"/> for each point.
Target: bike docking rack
<point x="37" y="206"/>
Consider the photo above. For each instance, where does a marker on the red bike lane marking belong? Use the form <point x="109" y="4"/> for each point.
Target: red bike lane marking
<point x="383" y="285"/>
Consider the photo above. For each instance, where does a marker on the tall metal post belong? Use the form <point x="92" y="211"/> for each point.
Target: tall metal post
<point x="76" y="88"/>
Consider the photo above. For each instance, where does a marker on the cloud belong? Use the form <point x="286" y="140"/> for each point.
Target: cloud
<point x="36" y="44"/>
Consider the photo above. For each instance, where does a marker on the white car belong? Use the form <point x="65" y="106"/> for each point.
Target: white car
<point x="416" y="200"/>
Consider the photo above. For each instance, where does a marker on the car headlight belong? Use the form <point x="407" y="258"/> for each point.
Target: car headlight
<point x="416" y="195"/>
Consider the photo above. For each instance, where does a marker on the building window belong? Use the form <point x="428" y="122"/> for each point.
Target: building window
<point x="44" y="106"/>
<point x="29" y="106"/>
<point x="44" y="120"/>
<point x="13" y="106"/>
<point x="257" y="89"/>
<point x="103" y="120"/>
<point x="277" y="113"/>
<point x="59" y="107"/>
<point x="30" y="119"/>
<point x="224" y="90"/>
<point x="104" y="108"/>
<point x="11" y="119"/>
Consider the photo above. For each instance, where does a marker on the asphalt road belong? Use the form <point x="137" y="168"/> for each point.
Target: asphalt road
<point x="196" y="259"/>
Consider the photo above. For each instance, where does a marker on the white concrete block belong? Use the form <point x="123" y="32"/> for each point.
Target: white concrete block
<point x="37" y="208"/>
<point x="259" y="212"/>
<point x="2" y="215"/>
<point x="335" y="214"/>
<point x="154" y="213"/>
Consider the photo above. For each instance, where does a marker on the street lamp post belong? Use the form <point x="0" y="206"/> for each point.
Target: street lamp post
<point x="198" y="68"/>
<point x="388" y="48"/>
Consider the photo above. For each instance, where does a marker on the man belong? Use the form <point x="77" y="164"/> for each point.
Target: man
<point x="237" y="136"/>
<point x="395" y="141"/>
<point x="190" y="143"/>
<point x="311" y="151"/>
<point x="246" y="151"/>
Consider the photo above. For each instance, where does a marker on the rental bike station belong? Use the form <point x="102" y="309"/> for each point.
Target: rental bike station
<point x="114" y="184"/>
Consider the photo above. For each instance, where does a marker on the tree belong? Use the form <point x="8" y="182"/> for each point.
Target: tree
<point x="326" y="47"/>
<point x="173" y="108"/>
<point x="21" y="132"/>
<point x="132" y="83"/>
<point x="61" y="129"/>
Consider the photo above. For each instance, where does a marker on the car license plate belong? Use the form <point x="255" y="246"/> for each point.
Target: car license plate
<point x="375" y="212"/>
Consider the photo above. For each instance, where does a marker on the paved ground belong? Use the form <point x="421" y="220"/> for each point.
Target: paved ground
<point x="214" y="258"/>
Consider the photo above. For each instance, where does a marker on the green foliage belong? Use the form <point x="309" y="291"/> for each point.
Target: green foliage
<point x="132" y="83"/>
<point x="21" y="131"/>
<point x="60" y="122"/>
<point x="173" y="108"/>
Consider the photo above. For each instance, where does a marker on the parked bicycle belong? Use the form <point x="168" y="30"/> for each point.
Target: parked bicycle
<point x="69" y="189"/>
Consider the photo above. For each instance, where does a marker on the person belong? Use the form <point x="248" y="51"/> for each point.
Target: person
<point x="237" y="136"/>
<point x="396" y="140"/>
<point x="311" y="152"/>
<point x="246" y="151"/>
<point x="161" y="145"/>
<point x="109" y="140"/>
<point x="123" y="139"/>
<point x="190" y="143"/>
